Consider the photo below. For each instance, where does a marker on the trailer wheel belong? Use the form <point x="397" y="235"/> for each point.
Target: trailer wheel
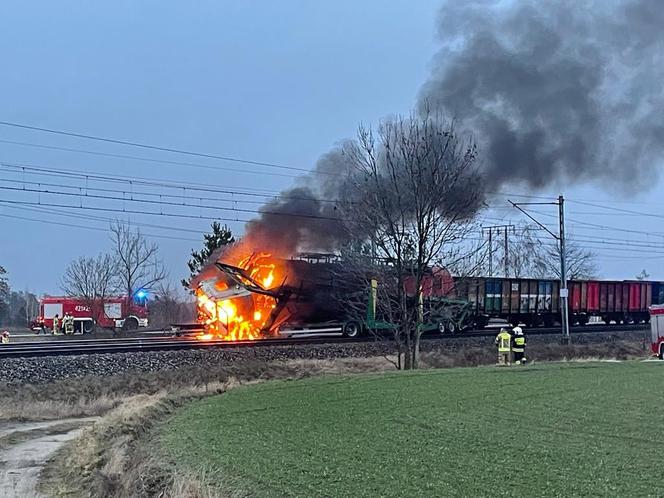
<point x="451" y="327"/>
<point x="130" y="324"/>
<point x="351" y="329"/>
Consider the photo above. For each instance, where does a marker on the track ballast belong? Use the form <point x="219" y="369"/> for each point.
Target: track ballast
<point x="72" y="346"/>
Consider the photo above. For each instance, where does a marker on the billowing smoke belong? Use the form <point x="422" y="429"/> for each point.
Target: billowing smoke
<point x="305" y="217"/>
<point x="565" y="90"/>
<point x="552" y="91"/>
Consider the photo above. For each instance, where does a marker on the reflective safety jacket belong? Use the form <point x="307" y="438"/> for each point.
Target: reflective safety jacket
<point x="56" y="322"/>
<point x="503" y="341"/>
<point x="519" y="343"/>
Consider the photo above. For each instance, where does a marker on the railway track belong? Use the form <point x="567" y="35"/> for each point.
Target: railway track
<point x="70" y="346"/>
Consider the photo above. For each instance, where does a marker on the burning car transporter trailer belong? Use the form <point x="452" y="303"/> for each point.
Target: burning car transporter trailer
<point x="311" y="299"/>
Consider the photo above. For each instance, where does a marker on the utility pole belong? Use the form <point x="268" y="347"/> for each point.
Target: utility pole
<point x="498" y="229"/>
<point x="560" y="238"/>
<point x="564" y="293"/>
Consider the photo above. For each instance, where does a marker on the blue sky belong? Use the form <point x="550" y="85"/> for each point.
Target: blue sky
<point x="277" y="82"/>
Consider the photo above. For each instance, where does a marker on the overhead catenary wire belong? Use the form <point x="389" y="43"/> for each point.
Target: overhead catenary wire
<point x="86" y="176"/>
<point x="71" y="225"/>
<point x="84" y="216"/>
<point x="151" y="147"/>
<point x="162" y="202"/>
<point x="126" y="211"/>
<point x="146" y="159"/>
<point x="167" y="203"/>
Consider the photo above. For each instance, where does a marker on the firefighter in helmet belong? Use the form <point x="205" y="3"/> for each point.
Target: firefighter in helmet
<point x="56" y="324"/>
<point x="504" y="344"/>
<point x="68" y="323"/>
<point x="5" y="337"/>
<point x="519" y="346"/>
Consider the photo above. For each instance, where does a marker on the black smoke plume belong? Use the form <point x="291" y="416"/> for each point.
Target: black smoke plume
<point x="305" y="217"/>
<point x="555" y="90"/>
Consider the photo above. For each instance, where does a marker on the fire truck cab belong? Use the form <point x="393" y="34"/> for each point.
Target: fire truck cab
<point x="657" y="329"/>
<point x="118" y="313"/>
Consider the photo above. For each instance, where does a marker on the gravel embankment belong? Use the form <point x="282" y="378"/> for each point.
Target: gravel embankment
<point x="448" y="352"/>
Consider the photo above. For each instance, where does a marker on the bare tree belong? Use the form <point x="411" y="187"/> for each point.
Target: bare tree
<point x="170" y="306"/>
<point x="581" y="262"/>
<point x="137" y="262"/>
<point x="643" y="275"/>
<point x="532" y="254"/>
<point x="524" y="253"/>
<point x="4" y="294"/>
<point x="93" y="280"/>
<point x="412" y="194"/>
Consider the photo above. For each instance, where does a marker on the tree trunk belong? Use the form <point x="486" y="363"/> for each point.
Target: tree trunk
<point x="408" y="358"/>
<point x="416" y="350"/>
<point x="397" y="339"/>
<point x="415" y="362"/>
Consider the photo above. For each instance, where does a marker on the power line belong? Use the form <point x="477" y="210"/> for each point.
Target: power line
<point x="605" y="227"/>
<point x="145" y="159"/>
<point x="125" y="192"/>
<point x="620" y="210"/>
<point x="70" y="225"/>
<point x="70" y="214"/>
<point x="167" y="203"/>
<point x="83" y="175"/>
<point x="152" y="147"/>
<point x="125" y="211"/>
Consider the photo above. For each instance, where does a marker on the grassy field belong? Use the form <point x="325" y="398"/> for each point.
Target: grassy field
<point x="577" y="429"/>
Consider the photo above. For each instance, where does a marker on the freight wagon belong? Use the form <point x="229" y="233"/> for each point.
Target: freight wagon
<point x="536" y="302"/>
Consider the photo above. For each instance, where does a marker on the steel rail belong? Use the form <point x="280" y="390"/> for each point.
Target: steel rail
<point x="67" y="346"/>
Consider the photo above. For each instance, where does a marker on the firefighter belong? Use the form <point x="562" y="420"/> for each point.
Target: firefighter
<point x="504" y="344"/>
<point x="519" y="346"/>
<point x="5" y="337"/>
<point x="68" y="324"/>
<point x="56" y="324"/>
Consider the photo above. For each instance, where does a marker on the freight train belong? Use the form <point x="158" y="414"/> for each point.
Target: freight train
<point x="536" y="302"/>
<point x="317" y="292"/>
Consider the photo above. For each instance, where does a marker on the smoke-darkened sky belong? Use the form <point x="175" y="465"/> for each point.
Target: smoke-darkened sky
<point x="283" y="82"/>
<point x="565" y="91"/>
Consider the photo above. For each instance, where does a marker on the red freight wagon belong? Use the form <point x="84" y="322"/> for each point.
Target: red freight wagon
<point x="118" y="313"/>
<point x="610" y="300"/>
<point x="437" y="283"/>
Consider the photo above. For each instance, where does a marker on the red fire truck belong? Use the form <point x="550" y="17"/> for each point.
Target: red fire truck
<point x="118" y="313"/>
<point x="657" y="329"/>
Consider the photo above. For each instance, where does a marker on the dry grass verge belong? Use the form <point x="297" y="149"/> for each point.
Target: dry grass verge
<point x="94" y="396"/>
<point x="117" y="458"/>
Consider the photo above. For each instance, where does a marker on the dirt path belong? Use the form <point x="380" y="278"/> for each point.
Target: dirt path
<point x="25" y="448"/>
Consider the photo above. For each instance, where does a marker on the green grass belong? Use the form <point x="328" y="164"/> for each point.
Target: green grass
<point x="594" y="429"/>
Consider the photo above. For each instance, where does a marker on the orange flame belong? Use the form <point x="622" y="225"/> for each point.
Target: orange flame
<point x="242" y="318"/>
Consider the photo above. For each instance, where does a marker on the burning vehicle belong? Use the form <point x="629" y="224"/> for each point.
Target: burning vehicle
<point x="263" y="296"/>
<point x="255" y="298"/>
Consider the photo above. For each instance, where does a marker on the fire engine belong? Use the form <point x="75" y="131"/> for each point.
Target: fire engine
<point x="657" y="330"/>
<point x="118" y="312"/>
